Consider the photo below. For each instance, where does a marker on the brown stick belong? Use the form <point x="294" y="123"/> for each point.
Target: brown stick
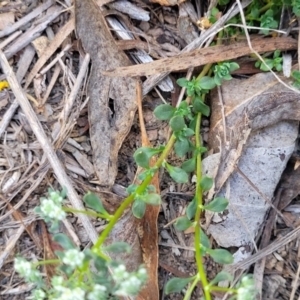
<point x="203" y="56"/>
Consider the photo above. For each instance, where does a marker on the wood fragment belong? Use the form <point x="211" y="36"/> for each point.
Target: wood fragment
<point x="36" y="12"/>
<point x="204" y="56"/>
<point x="32" y="33"/>
<point x="55" y="43"/>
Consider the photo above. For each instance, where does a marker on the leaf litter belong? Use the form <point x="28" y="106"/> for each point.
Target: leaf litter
<point x="46" y="143"/>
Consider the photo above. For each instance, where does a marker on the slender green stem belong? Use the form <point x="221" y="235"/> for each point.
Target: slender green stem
<point x="47" y="262"/>
<point x="119" y="212"/>
<point x="191" y="288"/>
<point x="87" y="212"/>
<point x="199" y="200"/>
<point x="222" y="289"/>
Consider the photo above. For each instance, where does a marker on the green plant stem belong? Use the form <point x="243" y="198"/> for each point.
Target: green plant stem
<point x="223" y="289"/>
<point x="188" y="293"/>
<point x="199" y="200"/>
<point x="119" y="212"/>
<point x="48" y="262"/>
<point x="261" y="10"/>
<point x="87" y="212"/>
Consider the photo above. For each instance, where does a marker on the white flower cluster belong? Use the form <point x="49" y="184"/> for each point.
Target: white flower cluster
<point x="27" y="270"/>
<point x="128" y="284"/>
<point x="52" y="207"/>
<point x="98" y="293"/>
<point x="73" y="258"/>
<point x="246" y="291"/>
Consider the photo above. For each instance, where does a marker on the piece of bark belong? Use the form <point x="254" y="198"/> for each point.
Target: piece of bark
<point x="204" y="56"/>
<point x="147" y="226"/>
<point x="112" y="100"/>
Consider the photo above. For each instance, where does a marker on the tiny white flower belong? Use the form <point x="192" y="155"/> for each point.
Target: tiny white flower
<point x="98" y="292"/>
<point x="52" y="210"/>
<point x="39" y="295"/>
<point x="73" y="258"/>
<point x="68" y="294"/>
<point x="56" y="197"/>
<point x="26" y="269"/>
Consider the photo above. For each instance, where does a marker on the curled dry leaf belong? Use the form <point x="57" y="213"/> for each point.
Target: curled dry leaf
<point x="261" y="118"/>
<point x="112" y="103"/>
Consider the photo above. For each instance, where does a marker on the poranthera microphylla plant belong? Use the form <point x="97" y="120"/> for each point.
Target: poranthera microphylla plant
<point x="109" y="279"/>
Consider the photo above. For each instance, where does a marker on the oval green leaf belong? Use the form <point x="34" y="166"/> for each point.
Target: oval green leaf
<point x="152" y="199"/>
<point x="182" y="223"/>
<point x="191" y="209"/>
<point x="218" y="204"/>
<point x="221" y="256"/>
<point x="189" y="165"/>
<point x="204" y="240"/>
<point x="177" y="123"/>
<point x="222" y="276"/>
<point x="206" y="83"/>
<point x="118" y="247"/>
<point x="200" y="107"/>
<point x="177" y="174"/>
<point x="64" y="241"/>
<point x="94" y="202"/>
<point x="206" y="183"/>
<point x="138" y="208"/>
<point x="175" y="285"/>
<point x="183" y="82"/>
<point x="164" y="112"/>
<point x="181" y="147"/>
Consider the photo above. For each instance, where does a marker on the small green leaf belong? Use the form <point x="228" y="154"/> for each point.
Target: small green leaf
<point x="177" y="174"/>
<point x="164" y="112"/>
<point x="100" y="264"/>
<point x="204" y="240"/>
<point x="191" y="209"/>
<point x="175" y="285"/>
<point x="183" y="82"/>
<point x="218" y="204"/>
<point x="152" y="199"/>
<point x="276" y="53"/>
<point x="200" y="107"/>
<point x="132" y="188"/>
<point x="222" y="276"/>
<point x="118" y="247"/>
<point x="188" y="132"/>
<point x="296" y="75"/>
<point x="218" y="80"/>
<point x="138" y="208"/>
<point x="189" y="165"/>
<point x="143" y="155"/>
<point x="177" y="123"/>
<point x="94" y="202"/>
<point x="182" y="223"/>
<point x="206" y="183"/>
<point x="64" y="192"/>
<point x="233" y="66"/>
<point x="64" y="241"/>
<point x="221" y="256"/>
<point x="181" y="147"/>
<point x="206" y="83"/>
